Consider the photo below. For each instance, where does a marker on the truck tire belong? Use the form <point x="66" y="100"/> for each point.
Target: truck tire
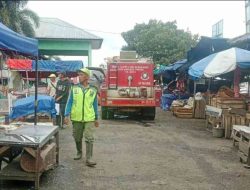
<point x="111" y="114"/>
<point x="148" y="113"/>
<point x="107" y="113"/>
<point x="104" y="113"/>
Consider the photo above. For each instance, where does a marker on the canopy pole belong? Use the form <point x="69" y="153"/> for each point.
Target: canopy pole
<point x="209" y="85"/>
<point x="194" y="87"/>
<point x="237" y="82"/>
<point x="248" y="90"/>
<point x="27" y="82"/>
<point x="36" y="87"/>
<point x="1" y="74"/>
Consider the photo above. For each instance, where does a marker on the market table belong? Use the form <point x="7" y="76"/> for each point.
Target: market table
<point x="32" y="139"/>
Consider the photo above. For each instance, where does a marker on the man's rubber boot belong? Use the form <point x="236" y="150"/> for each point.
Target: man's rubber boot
<point x="89" y="155"/>
<point x="79" y="151"/>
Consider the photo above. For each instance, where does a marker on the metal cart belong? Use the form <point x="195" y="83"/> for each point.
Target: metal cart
<point x="26" y="136"/>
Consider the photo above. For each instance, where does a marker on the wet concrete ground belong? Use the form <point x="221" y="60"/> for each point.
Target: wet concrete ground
<point x="166" y="154"/>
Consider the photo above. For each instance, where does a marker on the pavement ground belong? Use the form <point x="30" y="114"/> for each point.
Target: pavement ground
<point x="167" y="154"/>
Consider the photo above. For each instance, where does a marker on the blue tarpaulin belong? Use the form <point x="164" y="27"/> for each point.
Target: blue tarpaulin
<point x="167" y="100"/>
<point x="173" y="66"/>
<point x="25" y="106"/>
<point x="55" y="66"/>
<point x="10" y="40"/>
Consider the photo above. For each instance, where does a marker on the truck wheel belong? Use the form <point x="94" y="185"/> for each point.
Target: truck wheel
<point x="104" y="113"/>
<point x="107" y="113"/>
<point x="148" y="113"/>
<point x="110" y="114"/>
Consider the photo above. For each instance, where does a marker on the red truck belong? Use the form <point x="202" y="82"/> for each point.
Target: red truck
<point x="129" y="87"/>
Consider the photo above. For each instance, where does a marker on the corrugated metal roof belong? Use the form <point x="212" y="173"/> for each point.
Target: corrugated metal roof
<point x="239" y="39"/>
<point x="54" y="28"/>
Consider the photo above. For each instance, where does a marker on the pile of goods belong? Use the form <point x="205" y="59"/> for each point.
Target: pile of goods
<point x="225" y="99"/>
<point x="183" y="108"/>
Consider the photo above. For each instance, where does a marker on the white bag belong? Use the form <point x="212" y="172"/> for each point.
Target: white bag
<point x="57" y="109"/>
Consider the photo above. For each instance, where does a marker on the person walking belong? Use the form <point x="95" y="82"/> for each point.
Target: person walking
<point x="82" y="106"/>
<point x="51" y="89"/>
<point x="62" y="92"/>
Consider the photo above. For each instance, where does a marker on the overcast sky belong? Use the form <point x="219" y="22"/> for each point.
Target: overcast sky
<point x="107" y="19"/>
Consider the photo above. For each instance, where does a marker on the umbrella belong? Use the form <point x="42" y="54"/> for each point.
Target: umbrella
<point x="220" y="63"/>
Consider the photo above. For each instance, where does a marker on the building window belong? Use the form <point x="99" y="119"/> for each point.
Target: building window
<point x="217" y="29"/>
<point x="248" y="28"/>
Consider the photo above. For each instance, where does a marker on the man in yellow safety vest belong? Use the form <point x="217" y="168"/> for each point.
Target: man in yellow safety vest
<point x="82" y="106"/>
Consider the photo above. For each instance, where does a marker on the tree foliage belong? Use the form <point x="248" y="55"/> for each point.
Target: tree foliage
<point x="20" y="19"/>
<point x="163" y="42"/>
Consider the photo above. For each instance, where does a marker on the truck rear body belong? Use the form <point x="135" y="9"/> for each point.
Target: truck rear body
<point x="129" y="87"/>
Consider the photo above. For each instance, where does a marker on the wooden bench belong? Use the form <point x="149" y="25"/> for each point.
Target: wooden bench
<point x="236" y="133"/>
<point x="244" y="146"/>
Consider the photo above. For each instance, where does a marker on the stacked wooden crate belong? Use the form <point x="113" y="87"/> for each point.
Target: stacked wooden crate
<point x="199" y="109"/>
<point x="234" y="109"/>
<point x="213" y="102"/>
<point x="225" y="103"/>
<point x="228" y="120"/>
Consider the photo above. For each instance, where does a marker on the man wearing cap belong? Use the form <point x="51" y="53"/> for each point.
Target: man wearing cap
<point x="51" y="89"/>
<point x="82" y="106"/>
<point x="62" y="92"/>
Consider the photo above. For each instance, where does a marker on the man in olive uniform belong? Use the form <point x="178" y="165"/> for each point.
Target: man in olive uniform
<point x="61" y="96"/>
<point x="82" y="106"/>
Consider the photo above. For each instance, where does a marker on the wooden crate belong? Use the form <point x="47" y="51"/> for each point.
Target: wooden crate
<point x="184" y="112"/>
<point x="174" y="109"/>
<point x="228" y="120"/>
<point x="44" y="119"/>
<point x="248" y="119"/>
<point x="214" y="102"/>
<point x="199" y="109"/>
<point x="248" y="106"/>
<point x="225" y="103"/>
<point x="211" y="98"/>
<point x="184" y="115"/>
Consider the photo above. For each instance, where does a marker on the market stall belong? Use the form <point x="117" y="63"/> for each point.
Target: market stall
<point x="11" y="41"/>
<point x="26" y="69"/>
<point x="232" y="103"/>
<point x="26" y="149"/>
